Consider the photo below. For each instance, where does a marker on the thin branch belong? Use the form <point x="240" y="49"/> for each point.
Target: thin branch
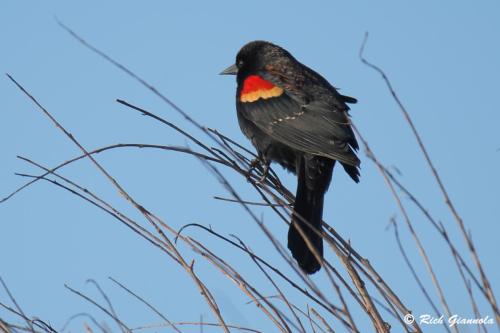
<point x="420" y="247"/>
<point x="149" y="217"/>
<point x="275" y="285"/>
<point x="106" y="311"/>
<point x="86" y="315"/>
<point x="323" y="320"/>
<point x="142" y="300"/>
<point x="28" y="322"/>
<point x="265" y="263"/>
<point x="36" y="322"/>
<point x="111" y="147"/>
<point x="250" y="203"/>
<point x="414" y="273"/>
<point x="107" y="300"/>
<point x="192" y="323"/>
<point x="468" y="240"/>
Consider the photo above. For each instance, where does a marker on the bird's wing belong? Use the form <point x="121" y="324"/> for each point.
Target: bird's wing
<point x="313" y="127"/>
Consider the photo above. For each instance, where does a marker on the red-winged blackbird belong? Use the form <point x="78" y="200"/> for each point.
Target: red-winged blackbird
<point x="293" y="116"/>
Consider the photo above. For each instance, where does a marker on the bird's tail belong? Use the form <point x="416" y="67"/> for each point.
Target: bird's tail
<point x="314" y="174"/>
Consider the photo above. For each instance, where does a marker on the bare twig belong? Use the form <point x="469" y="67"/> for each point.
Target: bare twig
<point x="468" y="240"/>
<point x="211" y="302"/>
<point x="414" y="273"/>
<point x="102" y="308"/>
<point x="107" y="300"/>
<point x="28" y="322"/>
<point x="142" y="300"/>
<point x="86" y="315"/>
<point x="192" y="323"/>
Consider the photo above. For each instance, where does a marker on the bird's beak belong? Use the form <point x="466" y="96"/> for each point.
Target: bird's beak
<point x="231" y="70"/>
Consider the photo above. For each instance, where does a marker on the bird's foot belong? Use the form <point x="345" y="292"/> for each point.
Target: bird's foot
<point x="265" y="172"/>
<point x="256" y="162"/>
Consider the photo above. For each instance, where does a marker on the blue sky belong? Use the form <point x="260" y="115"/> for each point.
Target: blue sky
<point x="442" y="57"/>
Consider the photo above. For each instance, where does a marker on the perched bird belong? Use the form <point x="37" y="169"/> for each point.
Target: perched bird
<point x="293" y="116"/>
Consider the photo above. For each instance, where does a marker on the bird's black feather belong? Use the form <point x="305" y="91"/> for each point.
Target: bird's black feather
<point x="303" y="125"/>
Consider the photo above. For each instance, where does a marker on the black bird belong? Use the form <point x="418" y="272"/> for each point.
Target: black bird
<point x="293" y="116"/>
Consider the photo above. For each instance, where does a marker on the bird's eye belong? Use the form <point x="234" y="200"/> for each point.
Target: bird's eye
<point x="239" y="63"/>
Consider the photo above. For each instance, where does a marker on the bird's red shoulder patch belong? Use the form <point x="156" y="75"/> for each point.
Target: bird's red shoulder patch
<point x="255" y="87"/>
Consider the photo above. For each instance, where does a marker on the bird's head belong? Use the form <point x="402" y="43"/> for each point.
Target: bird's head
<point x="257" y="56"/>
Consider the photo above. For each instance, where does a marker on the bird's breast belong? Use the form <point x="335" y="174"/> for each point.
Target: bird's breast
<point x="255" y="87"/>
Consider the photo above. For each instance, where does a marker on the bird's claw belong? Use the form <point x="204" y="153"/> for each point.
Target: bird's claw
<point x="265" y="172"/>
<point x="265" y="169"/>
